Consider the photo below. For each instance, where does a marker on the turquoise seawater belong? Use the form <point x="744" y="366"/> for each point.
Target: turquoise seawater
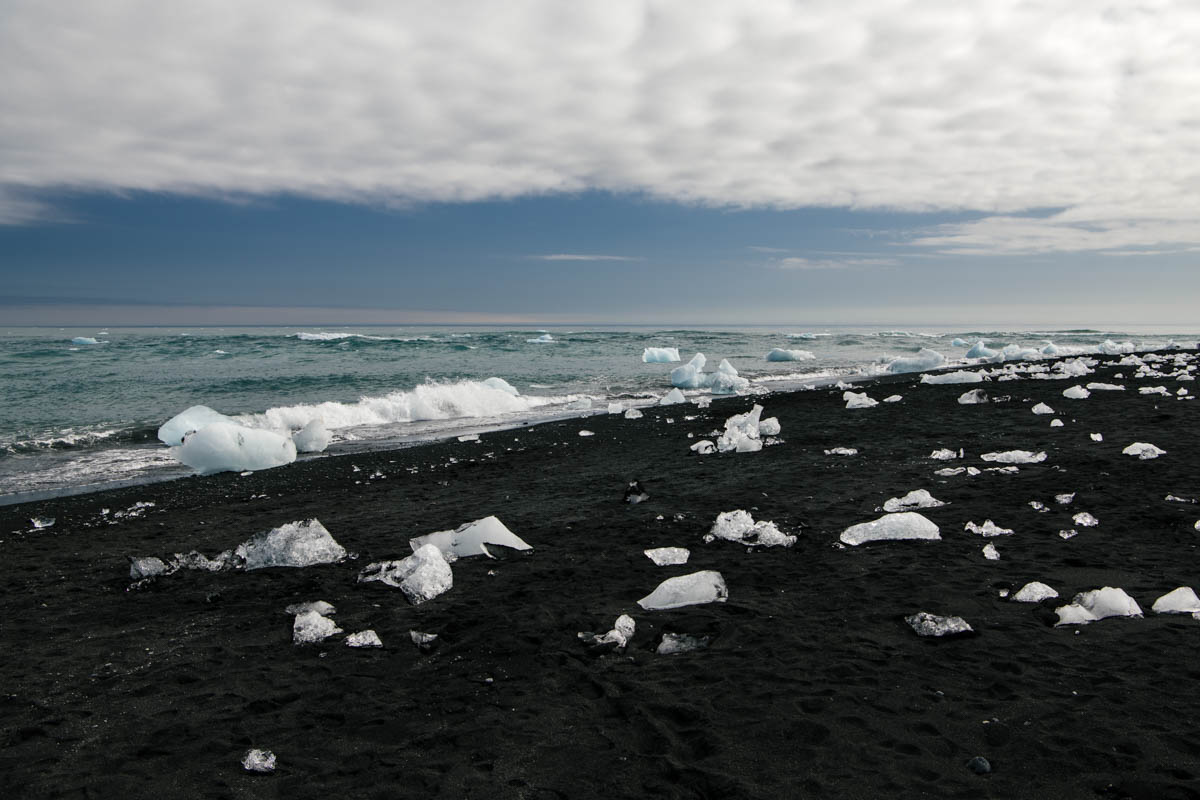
<point x="81" y="407"/>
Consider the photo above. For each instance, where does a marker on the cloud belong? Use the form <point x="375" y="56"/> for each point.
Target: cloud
<point x="798" y="263"/>
<point x="583" y="257"/>
<point x="917" y="105"/>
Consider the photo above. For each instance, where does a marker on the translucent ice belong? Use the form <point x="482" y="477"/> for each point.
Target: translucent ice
<point x="945" y="454"/>
<point x="1042" y="408"/>
<point x="193" y="419"/>
<point x="962" y="376"/>
<point x="858" y="400"/>
<point x="259" y="761"/>
<point x="310" y="627"/>
<point x="739" y="526"/>
<point x="1098" y="604"/>
<point x="676" y="643"/>
<point x="924" y="359"/>
<point x="842" y="451"/>
<point x="145" y="567"/>
<point x="742" y="432"/>
<point x="1085" y="520"/>
<point x="1076" y="393"/>
<point x="917" y="498"/>
<point x="471" y="539"/>
<point x="501" y="385"/>
<point x="778" y="354"/>
<point x="41" y="523"/>
<point x="697" y="588"/>
<point x="313" y="437"/>
<point x="422" y="576"/>
<point x="1034" y="592"/>
<point x="1180" y="601"/>
<point x="633" y="413"/>
<point x="225" y="446"/>
<point x="726" y="380"/>
<point x="1143" y="450"/>
<point x="703" y="447"/>
<point x="926" y="624"/>
<point x="670" y="398"/>
<point x="893" y="398"/>
<point x="367" y="638"/>
<point x="980" y="350"/>
<point x="973" y="397"/>
<point x="296" y="544"/>
<point x="622" y="631"/>
<point x="319" y="606"/>
<point x="902" y="525"/>
<point x="660" y="355"/>
<point x="690" y="375"/>
<point x="1105" y="387"/>
<point x="990" y="552"/>
<point x="1014" y="457"/>
<point x="668" y="556"/>
<point x="85" y="340"/>
<point x="988" y="528"/>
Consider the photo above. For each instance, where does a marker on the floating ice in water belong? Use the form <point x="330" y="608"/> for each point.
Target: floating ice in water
<point x="670" y="398"/>
<point x="990" y="552"/>
<point x="668" y="556"/>
<point x="703" y="447"/>
<point x="1143" y="450"/>
<point x="743" y="432"/>
<point x="893" y="398"/>
<point x="145" y="567"/>
<point x="858" y="400"/>
<point x="726" y="380"/>
<point x="675" y="643"/>
<point x="958" y="342"/>
<point x="633" y="413"/>
<point x="501" y="385"/>
<point x="225" y="446"/>
<point x="313" y="437"/>
<point x="319" y="606"/>
<point x="739" y="526"/>
<point x="310" y="627"/>
<point x="545" y="338"/>
<point x="586" y="433"/>
<point x="924" y="359"/>
<point x="622" y="631"/>
<point x="84" y="340"/>
<point x="945" y="454"/>
<point x="1042" y="408"/>
<point x="980" y="350"/>
<point x="988" y="528"/>
<point x="917" y="498"/>
<point x="690" y="375"/>
<point x="259" y="761"/>
<point x="778" y="354"/>
<point x="192" y="419"/>
<point x="1076" y="393"/>
<point x="1096" y="437"/>
<point x="1179" y="601"/>
<point x="41" y="523"/>
<point x="1034" y="592"/>
<point x="973" y="397"/>
<point x="615" y="408"/>
<point x="926" y="624"/>
<point x="422" y="576"/>
<point x="471" y="539"/>
<point x="962" y="376"/>
<point x="1056" y="423"/>
<point x="902" y="525"/>
<point x="367" y="638"/>
<point x="842" y="451"/>
<point x="1064" y="499"/>
<point x="1015" y="457"/>
<point x="1098" y="604"/>
<point x="1105" y="387"/>
<point x="1085" y="520"/>
<point x="660" y="355"/>
<point x="296" y="544"/>
<point x="706" y="586"/>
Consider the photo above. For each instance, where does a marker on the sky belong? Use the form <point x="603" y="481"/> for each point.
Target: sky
<point x="857" y="161"/>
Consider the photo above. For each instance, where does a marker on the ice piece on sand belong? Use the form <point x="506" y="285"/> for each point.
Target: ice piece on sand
<point x="1105" y="387"/>
<point x="1064" y="499"/>
<point x="1143" y="450"/>
<point x="41" y="523"/>
<point x="1034" y="592"/>
<point x="671" y="398"/>
<point x="1085" y="520"/>
<point x="706" y="586"/>
<point x="635" y="493"/>
<point x="676" y="643"/>
<point x="948" y="472"/>
<point x="145" y="567"/>
<point x="842" y="451"/>
<point x="668" y="556"/>
<point x="1056" y="423"/>
<point x="192" y="419"/>
<point x="422" y="576"/>
<point x="924" y="359"/>
<point x="903" y="525"/>
<point x="616" y="408"/>
<point x="945" y="454"/>
<point x="469" y="437"/>
<point x="973" y="397"/>
<point x="660" y="355"/>
<point x="319" y="606"/>
<point x="926" y="624"/>
<point x="1042" y="408"/>
<point x="310" y="627"/>
<point x="893" y="398"/>
<point x="690" y="375"/>
<point x="739" y="526"/>
<point x="228" y="447"/>
<point x="587" y="433"/>
<point x="703" y="447"/>
<point x="633" y="413"/>
<point x="778" y="354"/>
<point x="961" y="376"/>
<point x="313" y="437"/>
<point x="1098" y="604"/>
<point x="917" y="498"/>
<point x="616" y="639"/>
<point x="742" y="432"/>
<point x="988" y="528"/>
<point x="1015" y="457"/>
<point x="367" y="638"/>
<point x="259" y="761"/>
<point x="471" y="539"/>
<point x="296" y="544"/>
<point x="1076" y="393"/>
<point x="990" y="552"/>
<point x="858" y="400"/>
<point x="425" y="642"/>
<point x="1097" y="437"/>
<point x="769" y="427"/>
<point x="1179" y="601"/>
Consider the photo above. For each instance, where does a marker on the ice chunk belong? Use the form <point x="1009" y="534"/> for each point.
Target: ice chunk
<point x="145" y="567"/>
<point x="742" y="432"/>
<point x="726" y="380"/>
<point x="633" y="413"/>
<point x="676" y="643"/>
<point x="1077" y="393"/>
<point x="1097" y="437"/>
<point x="948" y="472"/>
<point x="296" y="544"/>
<point x="690" y="375"/>
<point x="501" y="385"/>
<point x="706" y="586"/>
<point x="585" y="433"/>
<point x="1179" y="601"/>
<point x="622" y="631"/>
<point x="671" y="398"/>
<point x="425" y="642"/>
<point x="924" y="359"/>
<point x="973" y="397"/>
<point x="917" y="498"/>
<point x="367" y="638"/>
<point x="739" y="526"/>
<point x="310" y="627"/>
<point x="703" y="447"/>
<point x="545" y="338"/>
<point x="660" y="355"/>
<point x="471" y="539"/>
<point x="1056" y="423"/>
<point x="319" y="606"/>
<point x="842" y="451"/>
<point x="902" y="525"/>
<point x="1034" y="592"/>
<point x="945" y="454"/>
<point x="313" y="437"/>
<point x="1111" y="348"/>
<point x="1042" y="408"/>
<point x="988" y="528"/>
<point x="1098" y="604"/>
<point x="422" y="576"/>
<point x="962" y="376"/>
<point x="858" y="400"/>
<point x="769" y="427"/>
<point x="980" y="350"/>
<point x="225" y="446"/>
<point x="668" y="556"/>
<point x="1154" y="390"/>
<point x="1143" y="450"/>
<point x="1105" y="387"/>
<point x="893" y="398"/>
<point x="958" y="342"/>
<point x="778" y="354"/>
<point x="926" y="624"/>
<point x="635" y="493"/>
<point x="41" y="523"/>
<point x="615" y="408"/>
<point x="183" y="423"/>
<point x="1015" y="457"/>
<point x="1064" y="499"/>
<point x="469" y="437"/>
<point x="259" y="761"/>
<point x="1085" y="520"/>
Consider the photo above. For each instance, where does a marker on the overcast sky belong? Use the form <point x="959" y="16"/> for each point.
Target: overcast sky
<point x="855" y="160"/>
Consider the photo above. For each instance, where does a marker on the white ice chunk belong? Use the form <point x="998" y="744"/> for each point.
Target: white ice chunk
<point x="945" y="454"/>
<point x="1111" y="348"/>
<point x="926" y="624"/>
<point x="310" y="627"/>
<point x="902" y="525"/>
<point x="587" y="433"/>
<point x="690" y="375"/>
<point x="1042" y="408"/>
<point x="313" y="437"/>
<point x="1064" y="499"/>
<point x="1076" y="393"/>
<point x="980" y="350"/>
<point x="259" y="761"/>
<point x="616" y="408"/>
<point x="367" y="638"/>
<point x="502" y="385"/>
<point x="973" y="398"/>
<point x="422" y="576"/>
<point x="145" y="567"/>
<point x="1015" y="457"/>
<point x="1179" y="601"/>
<point x="469" y="437"/>
<point x="703" y="447"/>
<point x="1097" y="437"/>
<point x="85" y="340"/>
<point x="739" y="526"/>
<point x="990" y="552"/>
<point x="1143" y="450"/>
<point x="622" y="631"/>
<point x="1098" y="604"/>
<point x="962" y="376"/>
<point x="1034" y="592"/>
<point x="778" y="354"/>
<point x="1105" y="387"/>
<point x="769" y="427"/>
<point x="842" y="451"/>
<point x="668" y="556"/>
<point x="988" y="528"/>
<point x="893" y="398"/>
<point x="633" y="413"/>
<point x="706" y="586"/>
<point x="917" y="498"/>
<point x="319" y="606"/>
<point x="225" y="446"/>
<point x="948" y="472"/>
<point x="1085" y="520"/>
<point x="858" y="400"/>
<point x="1056" y="423"/>
<point x="726" y="380"/>
<point x="296" y="544"/>
<point x="470" y="539"/>
<point x="676" y="643"/>
<point x="742" y="432"/>
<point x="193" y="419"/>
<point x="660" y="355"/>
<point x="924" y="359"/>
<point x="671" y="398"/>
<point x="1154" y="390"/>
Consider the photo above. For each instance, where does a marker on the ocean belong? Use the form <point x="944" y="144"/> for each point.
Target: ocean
<point x="81" y="407"/>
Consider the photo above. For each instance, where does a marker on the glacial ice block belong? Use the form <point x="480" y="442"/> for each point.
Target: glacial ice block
<point x="668" y="556"/>
<point x="617" y="638"/>
<point x="980" y="350"/>
<point x="706" y="586"/>
<point x="902" y="525"/>
<point x="310" y="627"/>
<point x="145" y="567"/>
<point x="261" y="761"/>
<point x="1076" y="393"/>
<point x="367" y="638"/>
<point x="924" y="359"/>
<point x="1042" y="408"/>
<point x="1034" y="592"/>
<point x="671" y="398"/>
<point x="742" y="432"/>
<point x="193" y="419"/>
<point x="780" y="354"/>
<point x="858" y="400"/>
<point x="471" y="539"/>
<point x="1098" y="604"/>
<point x="1143" y="450"/>
<point x="1015" y="457"/>
<point x="926" y="624"/>
<point x="313" y="437"/>
<point x="917" y="498"/>
<point x="226" y="447"/>
<point x="726" y="380"/>
<point x="296" y="544"/>
<point x="988" y="529"/>
<point x="690" y="375"/>
<point x="738" y="526"/>
<point x="962" y="376"/>
<point x="660" y="355"/>
<point x="1179" y="601"/>
<point x="422" y="576"/>
<point x="973" y="398"/>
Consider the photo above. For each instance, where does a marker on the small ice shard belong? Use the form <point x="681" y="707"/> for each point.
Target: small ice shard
<point x="1056" y="423"/>
<point x="1076" y="393"/>
<point x="947" y="472"/>
<point x="1097" y="437"/>
<point x="660" y="355"/>
<point x="145" y="567"/>
<point x="319" y="606"/>
<point x="261" y="761"/>
<point x="296" y="544"/>
<point x="228" y="447"/>
<point x="310" y="627"/>
<point x="1037" y="505"/>
<point x="842" y="451"/>
<point x="671" y="398"/>
<point x="40" y="523"/>
<point x="616" y="408"/>
<point x="668" y="556"/>
<point x="988" y="528"/>
<point x="893" y="398"/>
<point x="1034" y="592"/>
<point x="586" y="433"/>
<point x="926" y="624"/>
<point x="990" y="552"/>
<point x="706" y="586"/>
<point x="1068" y="534"/>
<point x="739" y="526"/>
<point x="945" y="378"/>
<point x="313" y="437"/>
<point x="425" y="642"/>
<point x="902" y="525"/>
<point x="703" y="447"/>
<point x="1085" y="520"/>
<point x="1179" y="601"/>
<point x="973" y="397"/>
<point x="779" y="354"/>
<point x="858" y="400"/>
<point x="633" y="413"/>
<point x="1015" y="457"/>
<point x="471" y="539"/>
<point x="1003" y="593"/>
<point x="1143" y="450"/>
<point x="367" y="638"/>
<point x="945" y="454"/>
<point x="924" y="359"/>
<point x="469" y="437"/>
<point x="183" y="423"/>
<point x="634" y="493"/>
<point x="917" y="498"/>
<point x="1064" y="499"/>
<point x="1097" y="604"/>
<point x="616" y="639"/>
<point x="675" y="643"/>
<point x="1042" y="408"/>
<point x="972" y="471"/>
<point x="422" y="576"/>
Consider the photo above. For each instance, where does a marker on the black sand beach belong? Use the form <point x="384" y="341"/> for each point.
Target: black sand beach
<point x="812" y="686"/>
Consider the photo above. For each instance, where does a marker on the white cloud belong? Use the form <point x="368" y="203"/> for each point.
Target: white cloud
<point x="799" y="263"/>
<point x="997" y="106"/>
<point x="583" y="257"/>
